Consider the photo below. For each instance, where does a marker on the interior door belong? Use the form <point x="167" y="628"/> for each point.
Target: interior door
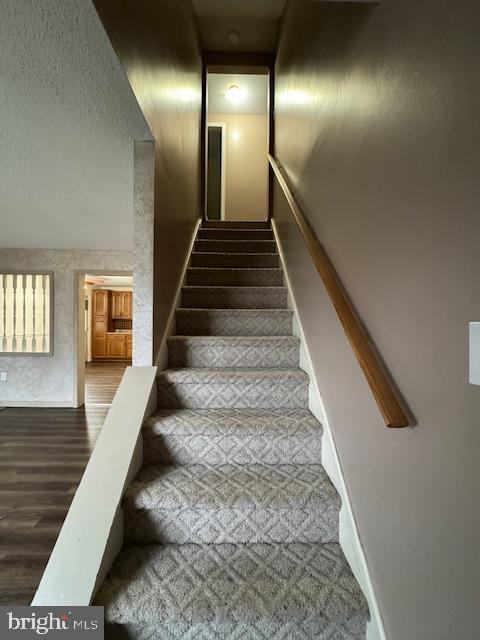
<point x="214" y="172"/>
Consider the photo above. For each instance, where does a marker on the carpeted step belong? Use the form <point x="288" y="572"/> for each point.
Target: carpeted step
<point x="235" y="224"/>
<point x="236" y="260"/>
<point x="244" y="504"/>
<point x="255" y="352"/>
<point x="241" y="436"/>
<point x="234" y="322"/>
<point x="228" y="592"/>
<point x="235" y="234"/>
<point x="235" y="246"/>
<point x="235" y="277"/>
<point x="232" y="388"/>
<point x="234" y="297"/>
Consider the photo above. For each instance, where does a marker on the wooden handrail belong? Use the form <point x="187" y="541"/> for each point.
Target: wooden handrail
<point x="373" y="369"/>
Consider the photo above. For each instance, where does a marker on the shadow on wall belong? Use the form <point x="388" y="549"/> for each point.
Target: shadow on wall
<point x="307" y="98"/>
<point x="158" y="45"/>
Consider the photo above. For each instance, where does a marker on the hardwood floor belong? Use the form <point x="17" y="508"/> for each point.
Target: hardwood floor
<point x="102" y="380"/>
<point x="43" y="453"/>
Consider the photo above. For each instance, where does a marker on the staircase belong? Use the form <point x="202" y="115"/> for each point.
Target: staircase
<point x="231" y="526"/>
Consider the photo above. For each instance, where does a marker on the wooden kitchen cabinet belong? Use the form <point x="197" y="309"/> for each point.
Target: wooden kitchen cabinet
<point x="108" y="307"/>
<point x="127" y="305"/>
<point x="116" y="346"/>
<point x="100" y="321"/>
<point x="122" y="305"/>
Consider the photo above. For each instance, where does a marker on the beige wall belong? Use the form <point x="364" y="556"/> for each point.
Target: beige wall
<point x="378" y="128"/>
<point x="246" y="171"/>
<point x="51" y="380"/>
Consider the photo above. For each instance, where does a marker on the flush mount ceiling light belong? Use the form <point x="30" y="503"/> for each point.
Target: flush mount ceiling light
<point x="235" y="94"/>
<point x="233" y="38"/>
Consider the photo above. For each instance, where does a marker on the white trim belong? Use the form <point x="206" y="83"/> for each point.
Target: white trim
<point x="161" y="359"/>
<point x="223" y="127"/>
<point x="78" y="328"/>
<point x="349" y="537"/>
<point x="41" y="404"/>
<point x="92" y="534"/>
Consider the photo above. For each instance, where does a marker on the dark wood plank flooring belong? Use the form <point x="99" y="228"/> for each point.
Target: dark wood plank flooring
<point x="102" y="380"/>
<point x="43" y="453"/>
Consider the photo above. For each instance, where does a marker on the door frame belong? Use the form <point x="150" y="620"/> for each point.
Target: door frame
<point x="79" y="324"/>
<point x="223" y="127"/>
<point x="236" y="62"/>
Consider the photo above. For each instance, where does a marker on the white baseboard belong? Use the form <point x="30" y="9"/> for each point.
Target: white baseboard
<point x="161" y="360"/>
<point x="41" y="404"/>
<point x="348" y="532"/>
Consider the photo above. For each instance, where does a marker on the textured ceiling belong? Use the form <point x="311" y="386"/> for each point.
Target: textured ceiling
<point x="256" y="22"/>
<point x="240" y="8"/>
<point x="67" y="125"/>
<point x="255" y="87"/>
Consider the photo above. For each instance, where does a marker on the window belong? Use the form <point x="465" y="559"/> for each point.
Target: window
<point x="26" y="313"/>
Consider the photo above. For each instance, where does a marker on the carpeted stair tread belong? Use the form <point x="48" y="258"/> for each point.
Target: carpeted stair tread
<point x="233" y="592"/>
<point x="285" y="486"/>
<point x="235" y="234"/>
<point x="234" y="297"/>
<point x="234" y="322"/>
<point x="196" y="388"/>
<point x="231" y="526"/>
<point x="225" y="422"/>
<point x="192" y="375"/>
<point x="236" y="246"/>
<point x="242" y="436"/>
<point x="214" y="504"/>
<point x="252" y="260"/>
<point x="234" y="277"/>
<point x="236" y="224"/>
<point x="234" y="351"/>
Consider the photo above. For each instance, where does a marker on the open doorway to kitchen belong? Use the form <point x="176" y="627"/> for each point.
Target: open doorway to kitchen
<point x="105" y="340"/>
<point x="237" y="143"/>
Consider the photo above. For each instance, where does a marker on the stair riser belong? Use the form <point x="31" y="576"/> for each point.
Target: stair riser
<point x="235" y="277"/>
<point x="218" y="353"/>
<point x="238" y="526"/>
<point x="235" y="298"/>
<point x="234" y="449"/>
<point x="236" y="261"/>
<point x="235" y="234"/>
<point x="261" y="394"/>
<point x="235" y="246"/>
<point x="232" y="224"/>
<point x="224" y="322"/>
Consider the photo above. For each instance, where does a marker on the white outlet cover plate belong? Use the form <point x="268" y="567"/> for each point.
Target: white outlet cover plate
<point x="474" y="354"/>
<point x="3" y="376"/>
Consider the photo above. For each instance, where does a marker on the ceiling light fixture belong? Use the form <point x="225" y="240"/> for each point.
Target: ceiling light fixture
<point x="235" y="93"/>
<point x="233" y="38"/>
